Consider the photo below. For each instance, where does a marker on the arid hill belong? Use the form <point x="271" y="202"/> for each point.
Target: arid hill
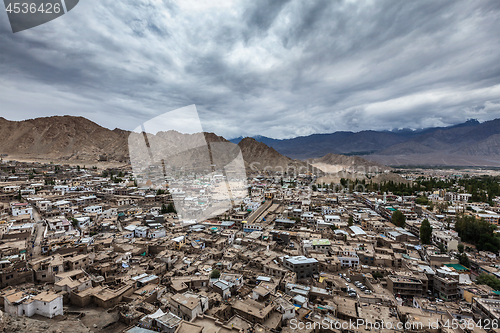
<point x="68" y="138"/>
<point x="62" y="138"/>
<point x="259" y="156"/>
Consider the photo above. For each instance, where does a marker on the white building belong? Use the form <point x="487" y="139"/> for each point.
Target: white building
<point x="110" y="213"/>
<point x="141" y="231"/>
<point x="83" y="221"/>
<point x="44" y="205"/>
<point x="156" y="233"/>
<point x="332" y="219"/>
<point x="460" y="197"/>
<point x="21" y="209"/>
<point x="349" y="261"/>
<point x="308" y="217"/>
<point x="327" y="210"/>
<point x="93" y="209"/>
<point x="449" y="239"/>
<point x="47" y="304"/>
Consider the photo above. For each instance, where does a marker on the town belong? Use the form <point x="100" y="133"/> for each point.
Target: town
<point x="86" y="249"/>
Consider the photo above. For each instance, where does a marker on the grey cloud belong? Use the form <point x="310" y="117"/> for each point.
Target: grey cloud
<point x="275" y="68"/>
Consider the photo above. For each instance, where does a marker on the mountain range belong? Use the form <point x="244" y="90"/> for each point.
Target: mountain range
<point x="468" y="144"/>
<point x="69" y="138"/>
<point x="76" y="138"/>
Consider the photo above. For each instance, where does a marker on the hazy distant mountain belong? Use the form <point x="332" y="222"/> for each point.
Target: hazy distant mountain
<point x="317" y="145"/>
<point x="469" y="143"/>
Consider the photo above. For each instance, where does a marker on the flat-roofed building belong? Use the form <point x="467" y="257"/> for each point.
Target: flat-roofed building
<point x="188" y="305"/>
<point x="303" y="266"/>
<point x="405" y="286"/>
<point x="447" y="288"/>
<point x="47" y="304"/>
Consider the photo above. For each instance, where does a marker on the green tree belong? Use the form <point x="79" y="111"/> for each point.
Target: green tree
<point x="478" y="232"/>
<point x="461" y="248"/>
<point x="442" y="206"/>
<point x="377" y="275"/>
<point x="171" y="208"/>
<point x="422" y="200"/>
<point x="314" y="188"/>
<point x="442" y="249"/>
<point x="398" y="218"/>
<point x="489" y="280"/>
<point x="425" y="232"/>
<point x="74" y="222"/>
<point x="215" y="274"/>
<point x="351" y="221"/>
<point x="463" y="259"/>
<point x="163" y="209"/>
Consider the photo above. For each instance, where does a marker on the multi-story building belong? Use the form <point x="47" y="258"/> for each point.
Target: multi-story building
<point x="448" y="238"/>
<point x="304" y="267"/>
<point x="460" y="197"/>
<point x="21" y="209"/>
<point x="447" y="288"/>
<point x="405" y="286"/>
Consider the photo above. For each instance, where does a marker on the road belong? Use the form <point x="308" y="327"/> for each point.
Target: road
<point x="36" y="251"/>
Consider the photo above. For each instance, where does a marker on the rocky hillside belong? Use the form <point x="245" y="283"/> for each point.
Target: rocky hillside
<point x="259" y="156"/>
<point x="62" y="138"/>
<point x="68" y="138"/>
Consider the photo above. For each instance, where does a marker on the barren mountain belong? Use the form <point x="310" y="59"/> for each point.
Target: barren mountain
<point x="79" y="139"/>
<point x="259" y="156"/>
<point x="64" y="138"/>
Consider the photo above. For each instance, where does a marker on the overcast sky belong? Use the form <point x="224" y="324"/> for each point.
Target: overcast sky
<point x="274" y="68"/>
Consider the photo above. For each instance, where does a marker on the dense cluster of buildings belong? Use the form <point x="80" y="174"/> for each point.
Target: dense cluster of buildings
<point x="75" y="236"/>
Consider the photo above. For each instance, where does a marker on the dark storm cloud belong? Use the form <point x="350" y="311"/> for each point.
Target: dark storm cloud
<point x="276" y="68"/>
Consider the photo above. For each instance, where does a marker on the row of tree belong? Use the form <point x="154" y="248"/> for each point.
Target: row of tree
<point x="168" y="209"/>
<point x="478" y="232"/>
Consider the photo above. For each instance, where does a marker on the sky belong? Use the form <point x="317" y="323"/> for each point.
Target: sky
<point x="275" y="68"/>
